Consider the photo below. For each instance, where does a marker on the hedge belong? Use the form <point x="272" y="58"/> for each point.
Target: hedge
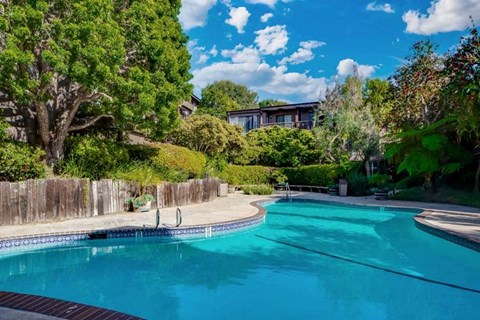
<point x="243" y="175"/>
<point x="175" y="158"/>
<point x="314" y="175"/>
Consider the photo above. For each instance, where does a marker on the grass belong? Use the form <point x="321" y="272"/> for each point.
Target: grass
<point x="443" y="195"/>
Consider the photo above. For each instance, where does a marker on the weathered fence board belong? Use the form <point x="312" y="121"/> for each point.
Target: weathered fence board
<point x="46" y="200"/>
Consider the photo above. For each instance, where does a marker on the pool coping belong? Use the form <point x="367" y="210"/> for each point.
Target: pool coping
<point x="200" y="231"/>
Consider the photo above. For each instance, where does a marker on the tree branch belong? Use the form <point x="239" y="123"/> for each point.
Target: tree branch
<point x="89" y="122"/>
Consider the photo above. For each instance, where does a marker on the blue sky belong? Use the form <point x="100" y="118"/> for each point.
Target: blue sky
<point x="294" y="49"/>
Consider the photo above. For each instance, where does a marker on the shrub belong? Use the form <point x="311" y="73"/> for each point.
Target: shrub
<point x="19" y="161"/>
<point x="281" y="147"/>
<point x="261" y="189"/>
<point x="93" y="157"/>
<point x="357" y="183"/>
<point x="246" y="175"/>
<point x="314" y="175"/>
<point x="141" y="173"/>
<point x="169" y="159"/>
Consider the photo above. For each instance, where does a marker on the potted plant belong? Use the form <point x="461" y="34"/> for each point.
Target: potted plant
<point x="381" y="185"/>
<point x="333" y="190"/>
<point x="143" y="203"/>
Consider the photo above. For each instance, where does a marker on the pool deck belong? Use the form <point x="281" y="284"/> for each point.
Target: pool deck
<point x="457" y="221"/>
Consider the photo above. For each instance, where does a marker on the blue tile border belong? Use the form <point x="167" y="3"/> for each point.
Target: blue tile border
<point x="179" y="233"/>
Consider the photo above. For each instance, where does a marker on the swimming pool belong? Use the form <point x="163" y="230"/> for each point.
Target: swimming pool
<point x="308" y="261"/>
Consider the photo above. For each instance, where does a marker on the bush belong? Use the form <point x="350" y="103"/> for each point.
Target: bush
<point x="314" y="175"/>
<point x="92" y="157"/>
<point x="247" y="175"/>
<point x="357" y="184"/>
<point x="19" y="161"/>
<point x="169" y="158"/>
<point x="261" y="189"/>
<point x="281" y="147"/>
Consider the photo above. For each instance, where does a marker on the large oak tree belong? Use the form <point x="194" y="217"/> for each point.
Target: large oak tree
<point x="122" y="59"/>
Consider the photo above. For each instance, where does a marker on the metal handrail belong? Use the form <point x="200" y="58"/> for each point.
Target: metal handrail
<point x="288" y="192"/>
<point x="178" y="218"/>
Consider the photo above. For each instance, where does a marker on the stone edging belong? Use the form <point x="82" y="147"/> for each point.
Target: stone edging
<point x="461" y="239"/>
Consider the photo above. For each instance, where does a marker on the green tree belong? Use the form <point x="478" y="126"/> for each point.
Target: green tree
<point x="271" y="102"/>
<point x="282" y="147"/>
<point x="417" y="88"/>
<point x="222" y="96"/>
<point x="463" y="91"/>
<point x="428" y="152"/>
<point x="379" y="98"/>
<point x="210" y="135"/>
<point x="120" y="59"/>
<point x="347" y="127"/>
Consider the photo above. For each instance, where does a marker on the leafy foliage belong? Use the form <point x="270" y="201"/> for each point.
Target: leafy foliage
<point x="280" y="147"/>
<point x="93" y="157"/>
<point x="222" y="96"/>
<point x="247" y="175"/>
<point x="19" y="161"/>
<point x="262" y="189"/>
<point x="210" y="135"/>
<point x="427" y="151"/>
<point x="121" y="59"/>
<point x="347" y="127"/>
<point x="357" y="183"/>
<point x="178" y="159"/>
<point x="314" y="175"/>
<point x="271" y="102"/>
<point x="418" y="85"/>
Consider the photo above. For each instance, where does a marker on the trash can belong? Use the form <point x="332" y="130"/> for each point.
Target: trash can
<point x="342" y="187"/>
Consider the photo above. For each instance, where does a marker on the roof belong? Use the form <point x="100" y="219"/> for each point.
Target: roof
<point x="302" y="105"/>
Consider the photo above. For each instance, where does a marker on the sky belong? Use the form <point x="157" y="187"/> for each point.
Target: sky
<point x="293" y="50"/>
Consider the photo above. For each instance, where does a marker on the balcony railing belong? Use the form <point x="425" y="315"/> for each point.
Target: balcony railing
<point x="298" y="124"/>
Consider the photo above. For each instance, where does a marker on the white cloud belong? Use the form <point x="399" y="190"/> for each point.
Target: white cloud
<point x="203" y="58"/>
<point x="387" y="7"/>
<point x="266" y="17"/>
<point x="347" y="67"/>
<point x="199" y="54"/>
<point x="263" y="77"/>
<point x="443" y="16"/>
<point x="194" y="13"/>
<point x="270" y="3"/>
<point x="241" y="54"/>
<point x="272" y="40"/>
<point x="213" y="52"/>
<point x="304" y="53"/>
<point x="238" y="18"/>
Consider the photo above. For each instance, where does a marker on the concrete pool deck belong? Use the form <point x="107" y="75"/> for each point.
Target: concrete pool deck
<point x="460" y="221"/>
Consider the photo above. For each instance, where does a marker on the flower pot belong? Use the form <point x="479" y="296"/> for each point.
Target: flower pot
<point x="333" y="191"/>
<point x="381" y="194"/>
<point x="146" y="207"/>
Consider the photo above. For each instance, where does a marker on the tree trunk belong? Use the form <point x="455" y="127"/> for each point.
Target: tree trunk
<point x="54" y="150"/>
<point x="476" y="186"/>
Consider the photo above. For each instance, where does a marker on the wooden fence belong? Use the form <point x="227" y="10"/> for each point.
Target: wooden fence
<point x="46" y="200"/>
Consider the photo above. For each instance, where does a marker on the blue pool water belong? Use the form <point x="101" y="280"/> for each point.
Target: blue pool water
<point x="309" y="261"/>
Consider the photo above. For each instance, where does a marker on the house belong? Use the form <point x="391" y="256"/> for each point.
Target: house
<point x="297" y="115"/>
<point x="187" y="108"/>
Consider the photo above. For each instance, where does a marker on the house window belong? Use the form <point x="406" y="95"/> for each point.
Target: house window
<point x="246" y="122"/>
<point x="284" y="120"/>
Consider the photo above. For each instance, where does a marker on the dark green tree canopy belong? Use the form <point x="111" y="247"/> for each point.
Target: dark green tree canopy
<point x="271" y="102"/>
<point x="125" y="60"/>
<point x="222" y="96"/>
